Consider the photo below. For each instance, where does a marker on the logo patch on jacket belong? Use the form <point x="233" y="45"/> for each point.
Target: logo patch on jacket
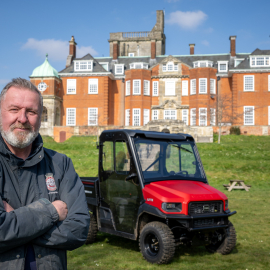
<point x="50" y="182"/>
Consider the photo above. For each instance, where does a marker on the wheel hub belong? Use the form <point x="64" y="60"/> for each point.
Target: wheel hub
<point x="151" y="244"/>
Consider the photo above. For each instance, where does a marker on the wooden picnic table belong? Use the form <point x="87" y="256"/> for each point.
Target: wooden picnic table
<point x="237" y="184"/>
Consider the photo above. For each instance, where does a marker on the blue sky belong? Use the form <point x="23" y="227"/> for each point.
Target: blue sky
<point x="30" y="28"/>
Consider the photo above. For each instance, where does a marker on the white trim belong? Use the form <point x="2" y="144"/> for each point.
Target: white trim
<point x="184" y="87"/>
<point x="155" y="88"/>
<point x="201" y="80"/>
<point x="85" y="74"/>
<point x="119" y="66"/>
<point x="93" y="117"/>
<point x="127" y="88"/>
<point x="202" y="117"/>
<point x="146" y="88"/>
<point x="138" y="65"/>
<point x="249" y="70"/>
<point x="138" y="114"/>
<point x="170" y="114"/>
<point x="127" y="118"/>
<point x="199" y="63"/>
<point x="223" y="63"/>
<point x="264" y="57"/>
<point x="71" y="85"/>
<point x="69" y="121"/>
<point x="93" y="83"/>
<point x="146" y="116"/>
<point x="185" y="116"/>
<point x="155" y="115"/>
<point x="250" y="109"/>
<point x="193" y="119"/>
<point x="138" y="88"/>
<point x="212" y="117"/>
<point x="169" y="90"/>
<point x="253" y="82"/>
<point x="78" y="64"/>
<point x="193" y="87"/>
<point x="212" y="86"/>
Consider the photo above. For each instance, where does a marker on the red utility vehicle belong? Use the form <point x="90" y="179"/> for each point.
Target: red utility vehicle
<point x="151" y="187"/>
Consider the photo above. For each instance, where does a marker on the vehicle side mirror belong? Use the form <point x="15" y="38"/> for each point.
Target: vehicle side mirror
<point x="131" y="176"/>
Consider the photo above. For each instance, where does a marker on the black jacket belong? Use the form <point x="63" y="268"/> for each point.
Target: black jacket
<point x="30" y="186"/>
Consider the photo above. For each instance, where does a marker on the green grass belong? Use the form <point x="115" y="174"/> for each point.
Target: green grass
<point x="237" y="157"/>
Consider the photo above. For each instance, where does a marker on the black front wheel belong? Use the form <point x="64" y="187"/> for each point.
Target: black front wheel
<point x="223" y="241"/>
<point x="92" y="232"/>
<point x="157" y="243"/>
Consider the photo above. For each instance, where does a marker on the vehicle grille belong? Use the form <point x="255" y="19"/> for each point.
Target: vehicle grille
<point x="200" y="208"/>
<point x="204" y="222"/>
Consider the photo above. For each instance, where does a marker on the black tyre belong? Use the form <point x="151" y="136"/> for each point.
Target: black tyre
<point x="92" y="232"/>
<point x="223" y="240"/>
<point x="157" y="243"/>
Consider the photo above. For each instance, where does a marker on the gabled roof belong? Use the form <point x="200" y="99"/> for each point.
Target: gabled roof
<point x="260" y="52"/>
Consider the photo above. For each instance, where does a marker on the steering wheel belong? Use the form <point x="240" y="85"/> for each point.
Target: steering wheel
<point x="182" y="172"/>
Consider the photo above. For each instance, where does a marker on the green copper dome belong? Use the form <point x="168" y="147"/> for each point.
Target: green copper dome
<point x="45" y="70"/>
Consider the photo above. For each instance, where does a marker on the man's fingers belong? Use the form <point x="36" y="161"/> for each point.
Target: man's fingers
<point x="8" y="208"/>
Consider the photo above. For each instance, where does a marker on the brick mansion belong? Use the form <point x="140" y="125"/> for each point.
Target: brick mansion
<point x="137" y="86"/>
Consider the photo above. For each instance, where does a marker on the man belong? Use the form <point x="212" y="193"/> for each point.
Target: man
<point x="43" y="209"/>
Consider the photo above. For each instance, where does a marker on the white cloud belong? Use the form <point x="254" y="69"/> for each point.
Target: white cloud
<point x="209" y="30"/>
<point x="205" y="43"/>
<point x="57" y="49"/>
<point x="187" y="20"/>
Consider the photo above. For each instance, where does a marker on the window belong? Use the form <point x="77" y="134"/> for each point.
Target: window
<point x="128" y="117"/>
<point x="175" y="68"/>
<point x="122" y="160"/>
<point x="146" y="116"/>
<point x="212" y="117"/>
<point x="169" y="88"/>
<point x="184" y="88"/>
<point x="44" y="116"/>
<point x="155" y="115"/>
<point x="83" y="65"/>
<point x="248" y="115"/>
<point x="202" y="117"/>
<point x="238" y="61"/>
<point x="170" y="66"/>
<point x="212" y="86"/>
<point x="71" y="117"/>
<point x="222" y="66"/>
<point x="71" y="86"/>
<point x="127" y="88"/>
<point x="136" y="117"/>
<point x="146" y="88"/>
<point x="92" y="116"/>
<point x="185" y="116"/>
<point x="138" y="65"/>
<point x="92" y="86"/>
<point x="131" y="54"/>
<point x="193" y="87"/>
<point x="249" y="83"/>
<point x="104" y="65"/>
<point x="202" y="64"/>
<point x="155" y="88"/>
<point x="193" y="117"/>
<point x="136" y="87"/>
<point x="170" y="114"/>
<point x="259" y="61"/>
<point x="203" y="86"/>
<point x="119" y="69"/>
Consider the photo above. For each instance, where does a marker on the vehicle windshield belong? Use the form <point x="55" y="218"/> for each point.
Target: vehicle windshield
<point x="169" y="160"/>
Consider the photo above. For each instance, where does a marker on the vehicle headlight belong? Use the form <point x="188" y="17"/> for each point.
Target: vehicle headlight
<point x="172" y="207"/>
<point x="226" y="204"/>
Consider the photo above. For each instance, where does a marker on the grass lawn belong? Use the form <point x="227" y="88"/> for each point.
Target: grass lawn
<point x="237" y="157"/>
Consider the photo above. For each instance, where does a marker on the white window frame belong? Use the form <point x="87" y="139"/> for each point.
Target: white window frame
<point x="146" y="116"/>
<point x="193" y="120"/>
<point x="134" y="121"/>
<point x="222" y="63"/>
<point x="185" y="116"/>
<point x="127" y="88"/>
<point x="238" y="59"/>
<point x="167" y="93"/>
<point x="170" y="114"/>
<point x="155" y="88"/>
<point x="212" y="117"/>
<point x="79" y="64"/>
<point x="92" y="82"/>
<point x="245" y="84"/>
<point x="185" y="88"/>
<point x="250" y="109"/>
<point x="212" y="86"/>
<point x="253" y="60"/>
<point x="71" y="84"/>
<point x="68" y="123"/>
<point x="201" y="80"/>
<point x="138" y="65"/>
<point x="127" y="118"/>
<point x="171" y="65"/>
<point x="121" y="66"/>
<point x="139" y="88"/>
<point x="105" y="63"/>
<point x="193" y="87"/>
<point x="146" y="88"/>
<point x="200" y="64"/>
<point x="93" y="118"/>
<point x="201" y="116"/>
<point x="155" y="115"/>
<point x="131" y="54"/>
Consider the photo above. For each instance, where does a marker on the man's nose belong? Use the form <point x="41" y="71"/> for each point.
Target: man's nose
<point x="22" y="118"/>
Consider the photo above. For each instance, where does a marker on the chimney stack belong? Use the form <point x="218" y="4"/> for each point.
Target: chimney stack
<point x="72" y="47"/>
<point x="233" y="51"/>
<point x="115" y="50"/>
<point x="191" y="48"/>
<point x="153" y="49"/>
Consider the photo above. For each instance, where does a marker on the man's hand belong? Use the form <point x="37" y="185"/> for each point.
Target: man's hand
<point x="8" y="208"/>
<point x="61" y="209"/>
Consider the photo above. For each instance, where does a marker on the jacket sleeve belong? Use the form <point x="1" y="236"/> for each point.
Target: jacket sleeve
<point x="20" y="226"/>
<point x="70" y="233"/>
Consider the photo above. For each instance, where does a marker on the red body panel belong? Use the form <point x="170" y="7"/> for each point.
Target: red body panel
<point x="176" y="191"/>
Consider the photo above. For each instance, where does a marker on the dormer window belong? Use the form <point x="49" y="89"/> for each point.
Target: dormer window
<point x="222" y="66"/>
<point x="170" y="66"/>
<point x="237" y="61"/>
<point x="83" y="65"/>
<point x="105" y="65"/>
<point x="202" y="64"/>
<point x="260" y="61"/>
<point x="131" y="54"/>
<point x="119" y="69"/>
<point x="138" y="65"/>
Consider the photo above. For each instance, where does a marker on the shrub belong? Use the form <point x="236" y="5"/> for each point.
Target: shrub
<point x="235" y="130"/>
